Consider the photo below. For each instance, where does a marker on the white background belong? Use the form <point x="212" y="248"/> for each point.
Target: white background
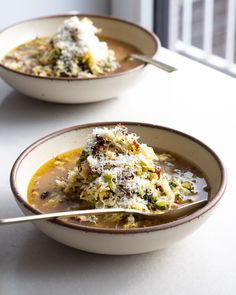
<point x="12" y="11"/>
<point x="138" y="11"/>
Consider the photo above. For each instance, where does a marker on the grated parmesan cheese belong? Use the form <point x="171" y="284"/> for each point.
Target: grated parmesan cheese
<point x="76" y="39"/>
<point x="115" y="170"/>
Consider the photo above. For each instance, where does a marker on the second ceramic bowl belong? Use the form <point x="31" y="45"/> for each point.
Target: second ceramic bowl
<point x="74" y="90"/>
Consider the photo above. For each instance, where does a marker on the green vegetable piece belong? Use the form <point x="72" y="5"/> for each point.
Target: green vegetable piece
<point x="179" y="199"/>
<point x="152" y="199"/>
<point x="140" y="192"/>
<point x="84" y="155"/>
<point x="188" y="185"/>
<point x="162" y="205"/>
<point x="108" y="179"/>
<point x="173" y="184"/>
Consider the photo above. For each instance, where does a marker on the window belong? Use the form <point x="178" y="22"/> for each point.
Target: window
<point x="204" y="30"/>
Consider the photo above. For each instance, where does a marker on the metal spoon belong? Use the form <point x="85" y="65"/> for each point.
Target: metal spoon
<point x="154" y="62"/>
<point x="172" y="213"/>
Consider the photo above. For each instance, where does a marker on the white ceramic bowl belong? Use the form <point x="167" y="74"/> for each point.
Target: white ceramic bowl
<point x="74" y="90"/>
<point x="122" y="241"/>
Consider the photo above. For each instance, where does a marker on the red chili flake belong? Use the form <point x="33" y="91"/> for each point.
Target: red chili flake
<point x="134" y="146"/>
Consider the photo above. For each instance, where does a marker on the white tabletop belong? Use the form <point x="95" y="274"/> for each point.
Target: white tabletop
<point x="197" y="100"/>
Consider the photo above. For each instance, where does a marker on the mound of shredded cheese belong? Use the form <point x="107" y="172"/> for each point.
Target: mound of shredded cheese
<point x="115" y="170"/>
<point x="76" y="40"/>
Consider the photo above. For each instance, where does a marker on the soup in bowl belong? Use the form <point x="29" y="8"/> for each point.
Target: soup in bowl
<point x="105" y="165"/>
<point x="40" y="56"/>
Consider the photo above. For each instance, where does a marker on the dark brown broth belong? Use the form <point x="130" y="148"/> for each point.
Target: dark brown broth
<point x="28" y="51"/>
<point x="122" y="51"/>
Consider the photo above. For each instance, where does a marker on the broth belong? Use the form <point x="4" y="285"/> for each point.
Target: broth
<point x="25" y="57"/>
<point x="46" y="197"/>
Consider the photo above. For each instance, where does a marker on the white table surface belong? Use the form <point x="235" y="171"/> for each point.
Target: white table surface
<point x="197" y="100"/>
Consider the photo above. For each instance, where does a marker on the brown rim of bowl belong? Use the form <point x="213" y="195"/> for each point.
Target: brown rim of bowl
<point x="152" y="35"/>
<point x="197" y="214"/>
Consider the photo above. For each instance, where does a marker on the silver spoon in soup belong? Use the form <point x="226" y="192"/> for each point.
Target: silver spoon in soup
<point x="153" y="62"/>
<point x="171" y="214"/>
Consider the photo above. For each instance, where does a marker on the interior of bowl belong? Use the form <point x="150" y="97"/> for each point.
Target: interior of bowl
<point x="133" y="34"/>
<point x="156" y="136"/>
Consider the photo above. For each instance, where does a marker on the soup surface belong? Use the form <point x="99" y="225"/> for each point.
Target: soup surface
<point x="46" y="196"/>
<point x="78" y="49"/>
<point x="25" y="58"/>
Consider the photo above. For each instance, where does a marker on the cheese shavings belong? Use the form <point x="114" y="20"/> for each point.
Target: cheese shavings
<point x="80" y="50"/>
<point x="115" y="170"/>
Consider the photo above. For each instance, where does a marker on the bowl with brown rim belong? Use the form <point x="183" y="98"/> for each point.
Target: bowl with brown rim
<point x="77" y="90"/>
<point x="112" y="240"/>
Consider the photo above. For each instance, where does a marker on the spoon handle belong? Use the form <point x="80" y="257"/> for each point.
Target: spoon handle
<point x="175" y="213"/>
<point x="154" y="62"/>
<point x="48" y="216"/>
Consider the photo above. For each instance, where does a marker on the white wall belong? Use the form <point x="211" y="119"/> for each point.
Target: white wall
<point x="12" y="11"/>
<point x="138" y="11"/>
